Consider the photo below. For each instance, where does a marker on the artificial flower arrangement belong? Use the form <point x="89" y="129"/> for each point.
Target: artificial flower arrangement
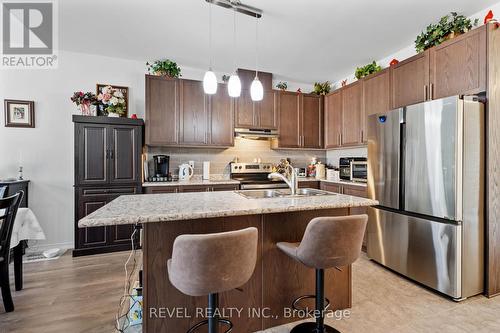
<point x="113" y="101"/>
<point x="86" y="102"/>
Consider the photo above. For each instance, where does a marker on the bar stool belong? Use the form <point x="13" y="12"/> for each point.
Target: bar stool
<point x="209" y="264"/>
<point x="327" y="242"/>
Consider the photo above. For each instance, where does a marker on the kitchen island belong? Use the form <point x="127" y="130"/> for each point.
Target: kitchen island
<point x="277" y="280"/>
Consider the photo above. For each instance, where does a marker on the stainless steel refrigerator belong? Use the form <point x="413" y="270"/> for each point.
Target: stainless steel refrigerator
<point x="426" y="169"/>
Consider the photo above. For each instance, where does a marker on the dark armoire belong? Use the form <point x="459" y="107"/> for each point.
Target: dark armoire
<point x="107" y="165"/>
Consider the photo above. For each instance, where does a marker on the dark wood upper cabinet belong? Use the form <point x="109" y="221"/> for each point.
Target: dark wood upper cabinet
<point x="376" y="96"/>
<point x="91" y="165"/>
<point x="312" y="121"/>
<point x="333" y="119"/>
<point x="125" y="142"/>
<point x="245" y="111"/>
<point x="221" y="118"/>
<point x="377" y="93"/>
<point x="352" y="130"/>
<point x="458" y="66"/>
<point x="193" y="125"/>
<point x="259" y="114"/>
<point x="107" y="154"/>
<point x="162" y="111"/>
<point x="288" y="104"/>
<point x="266" y="111"/>
<point x="300" y="120"/>
<point x="179" y="113"/>
<point x="410" y="80"/>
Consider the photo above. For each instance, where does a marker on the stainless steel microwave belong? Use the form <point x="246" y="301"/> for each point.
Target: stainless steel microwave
<point x="359" y="171"/>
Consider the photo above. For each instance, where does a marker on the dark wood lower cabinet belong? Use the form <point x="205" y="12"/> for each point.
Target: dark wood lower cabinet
<point x="190" y="188"/>
<point x="309" y="184"/>
<point x="100" y="239"/>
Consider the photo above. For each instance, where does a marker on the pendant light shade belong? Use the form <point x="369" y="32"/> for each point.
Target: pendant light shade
<point x="234" y="86"/>
<point x="256" y="90"/>
<point x="210" y="82"/>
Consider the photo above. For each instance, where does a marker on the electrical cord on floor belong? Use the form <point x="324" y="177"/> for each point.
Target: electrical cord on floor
<point x="121" y="327"/>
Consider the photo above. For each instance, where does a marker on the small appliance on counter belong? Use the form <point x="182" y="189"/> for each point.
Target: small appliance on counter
<point x="360" y="169"/>
<point x="301" y="172"/>
<point x="186" y="171"/>
<point x="333" y="175"/>
<point x="161" y="165"/>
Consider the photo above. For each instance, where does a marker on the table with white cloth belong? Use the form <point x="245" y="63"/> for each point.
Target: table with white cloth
<point x="26" y="227"/>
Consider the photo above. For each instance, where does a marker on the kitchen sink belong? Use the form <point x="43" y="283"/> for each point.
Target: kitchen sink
<point x="282" y="193"/>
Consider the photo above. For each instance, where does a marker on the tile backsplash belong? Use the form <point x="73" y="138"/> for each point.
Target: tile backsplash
<point x="246" y="150"/>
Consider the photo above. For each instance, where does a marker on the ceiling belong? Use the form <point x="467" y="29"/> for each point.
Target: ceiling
<point x="299" y="40"/>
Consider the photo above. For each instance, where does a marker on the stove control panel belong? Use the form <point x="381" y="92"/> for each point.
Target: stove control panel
<point x="251" y="167"/>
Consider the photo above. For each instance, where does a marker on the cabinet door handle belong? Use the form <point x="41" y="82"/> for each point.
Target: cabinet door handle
<point x="107" y="154"/>
<point x="431" y="91"/>
<point x="362" y="136"/>
<point x="111" y="154"/>
<point x="425" y="93"/>
<point x="340" y="135"/>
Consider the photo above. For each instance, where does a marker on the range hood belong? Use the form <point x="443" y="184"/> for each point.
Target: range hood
<point x="251" y="133"/>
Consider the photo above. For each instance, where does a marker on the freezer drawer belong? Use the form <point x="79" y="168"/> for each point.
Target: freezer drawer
<point x="426" y="251"/>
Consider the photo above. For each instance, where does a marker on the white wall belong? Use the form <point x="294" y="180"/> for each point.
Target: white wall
<point x="46" y="152"/>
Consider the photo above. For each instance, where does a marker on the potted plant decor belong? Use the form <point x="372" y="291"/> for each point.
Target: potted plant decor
<point x="449" y="26"/>
<point x="165" y="67"/>
<point x="282" y="85"/>
<point x="361" y="72"/>
<point x="322" y="88"/>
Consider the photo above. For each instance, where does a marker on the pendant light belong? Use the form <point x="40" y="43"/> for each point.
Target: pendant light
<point x="210" y="80"/>
<point x="234" y="83"/>
<point x="256" y="89"/>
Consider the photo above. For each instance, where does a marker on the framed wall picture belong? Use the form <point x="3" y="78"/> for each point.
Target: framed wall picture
<point x="101" y="108"/>
<point x="19" y="113"/>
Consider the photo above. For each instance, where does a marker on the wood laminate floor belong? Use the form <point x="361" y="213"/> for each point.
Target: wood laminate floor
<point x="76" y="295"/>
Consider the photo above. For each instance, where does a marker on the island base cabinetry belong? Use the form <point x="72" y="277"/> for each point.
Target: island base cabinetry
<point x="265" y="301"/>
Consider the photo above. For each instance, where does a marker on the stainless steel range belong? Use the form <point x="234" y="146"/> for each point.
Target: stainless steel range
<point x="255" y="176"/>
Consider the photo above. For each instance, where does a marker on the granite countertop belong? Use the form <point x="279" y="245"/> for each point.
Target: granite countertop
<point x="13" y="181"/>
<point x="341" y="182"/>
<point x="196" y="180"/>
<point x="145" y="208"/>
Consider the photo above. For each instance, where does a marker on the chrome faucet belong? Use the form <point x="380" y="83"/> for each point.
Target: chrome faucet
<point x="290" y="178"/>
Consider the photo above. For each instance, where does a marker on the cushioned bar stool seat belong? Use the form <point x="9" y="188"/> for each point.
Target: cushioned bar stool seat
<point x="328" y="242"/>
<point x="206" y="265"/>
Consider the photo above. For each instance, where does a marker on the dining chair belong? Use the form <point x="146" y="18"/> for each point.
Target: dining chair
<point x="8" y="211"/>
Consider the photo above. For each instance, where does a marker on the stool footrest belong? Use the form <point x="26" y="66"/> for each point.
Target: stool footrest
<point x="298" y="299"/>
<point x="205" y="322"/>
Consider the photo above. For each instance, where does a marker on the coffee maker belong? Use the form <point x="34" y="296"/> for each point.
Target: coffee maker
<point x="161" y="167"/>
